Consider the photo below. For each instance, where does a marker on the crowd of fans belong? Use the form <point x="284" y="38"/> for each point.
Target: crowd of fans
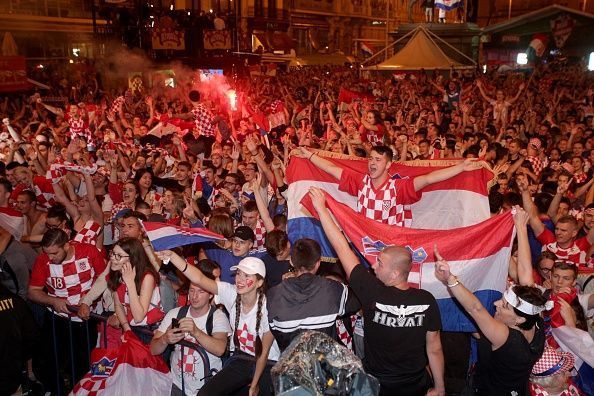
<point x="86" y="173"/>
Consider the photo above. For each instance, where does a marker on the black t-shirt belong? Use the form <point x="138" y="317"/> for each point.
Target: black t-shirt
<point x="395" y="324"/>
<point x="506" y="370"/>
<point x="275" y="270"/>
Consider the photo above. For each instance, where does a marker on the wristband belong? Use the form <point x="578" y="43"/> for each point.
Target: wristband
<point x="456" y="283"/>
<point x="312" y="154"/>
<point x="185" y="268"/>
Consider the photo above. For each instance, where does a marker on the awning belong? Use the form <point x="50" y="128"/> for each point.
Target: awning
<point x="275" y="41"/>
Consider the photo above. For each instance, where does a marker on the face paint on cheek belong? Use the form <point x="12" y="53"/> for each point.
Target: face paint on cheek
<point x="249" y="282"/>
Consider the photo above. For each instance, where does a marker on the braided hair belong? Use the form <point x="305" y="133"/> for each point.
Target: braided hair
<point x="260" y="303"/>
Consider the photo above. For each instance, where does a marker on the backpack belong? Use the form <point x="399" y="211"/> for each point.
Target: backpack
<point x="183" y="312"/>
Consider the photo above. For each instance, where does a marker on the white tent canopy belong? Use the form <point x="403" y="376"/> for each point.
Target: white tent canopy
<point x="422" y="52"/>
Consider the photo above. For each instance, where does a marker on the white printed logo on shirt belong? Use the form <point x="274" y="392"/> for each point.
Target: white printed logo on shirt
<point x="403" y="315"/>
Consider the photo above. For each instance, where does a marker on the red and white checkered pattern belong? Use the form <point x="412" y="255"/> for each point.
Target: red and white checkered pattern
<point x="260" y="233"/>
<point x="381" y="205"/>
<point x="89" y="233"/>
<point x="203" y="119"/>
<point x="246" y="340"/>
<point x="57" y="170"/>
<point x="155" y="312"/>
<point x="70" y="279"/>
<point x="343" y="334"/>
<point x="89" y="386"/>
<point x="80" y="128"/>
<point x="117" y="104"/>
<point x="538" y="164"/>
<point x="44" y="192"/>
<point x="575" y="254"/>
<point x="188" y="363"/>
<point x="115" y="209"/>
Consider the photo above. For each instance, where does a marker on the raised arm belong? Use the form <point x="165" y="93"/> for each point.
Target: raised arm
<point x="319" y="162"/>
<point x="536" y="224"/>
<point x="495" y="331"/>
<point x="347" y="258"/>
<point x="524" y="267"/>
<point x="423" y="181"/>
<point x="192" y="273"/>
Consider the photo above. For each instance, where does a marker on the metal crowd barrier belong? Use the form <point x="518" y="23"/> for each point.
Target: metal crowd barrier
<point x="102" y="319"/>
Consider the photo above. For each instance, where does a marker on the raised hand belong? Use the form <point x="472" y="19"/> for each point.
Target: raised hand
<point x="442" y="268"/>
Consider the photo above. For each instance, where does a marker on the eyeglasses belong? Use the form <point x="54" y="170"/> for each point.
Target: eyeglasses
<point x="118" y="256"/>
<point x="545" y="270"/>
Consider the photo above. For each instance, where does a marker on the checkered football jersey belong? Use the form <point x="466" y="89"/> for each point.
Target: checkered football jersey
<point x="155" y="312"/>
<point x="576" y="254"/>
<point x="387" y="204"/>
<point x="89" y="233"/>
<point x="72" y="278"/>
<point x="203" y="119"/>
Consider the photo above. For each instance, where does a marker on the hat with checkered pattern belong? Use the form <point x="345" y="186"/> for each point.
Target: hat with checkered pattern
<point x="552" y="362"/>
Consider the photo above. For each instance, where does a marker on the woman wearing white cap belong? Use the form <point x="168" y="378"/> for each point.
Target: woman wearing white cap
<point x="511" y="341"/>
<point x="252" y="344"/>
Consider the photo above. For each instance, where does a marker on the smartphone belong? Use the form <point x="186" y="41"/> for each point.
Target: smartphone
<point x="174" y="323"/>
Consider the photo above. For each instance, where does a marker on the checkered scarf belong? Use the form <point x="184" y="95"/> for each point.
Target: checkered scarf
<point x="58" y="170"/>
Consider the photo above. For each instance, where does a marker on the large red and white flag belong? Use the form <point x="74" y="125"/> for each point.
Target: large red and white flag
<point x="460" y="201"/>
<point x="127" y="369"/>
<point x="13" y="222"/>
<point x="481" y="266"/>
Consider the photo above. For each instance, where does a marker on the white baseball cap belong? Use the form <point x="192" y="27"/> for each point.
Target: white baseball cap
<point x="251" y="266"/>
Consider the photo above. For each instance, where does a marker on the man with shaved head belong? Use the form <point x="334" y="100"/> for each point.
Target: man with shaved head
<point x="407" y="318"/>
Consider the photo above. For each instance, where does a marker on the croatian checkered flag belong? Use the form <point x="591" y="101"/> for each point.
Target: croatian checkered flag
<point x="203" y="118"/>
<point x="117" y="105"/>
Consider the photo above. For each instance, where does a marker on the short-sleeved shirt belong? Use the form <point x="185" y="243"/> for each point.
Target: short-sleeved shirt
<point x="576" y="254"/>
<point x="373" y="137"/>
<point x="72" y="278"/>
<point x="388" y="203"/>
<point x="403" y="317"/>
<point x="246" y="326"/>
<point x="191" y="362"/>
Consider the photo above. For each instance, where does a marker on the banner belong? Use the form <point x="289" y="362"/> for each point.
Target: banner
<point x="448" y="4"/>
<point x="13" y="74"/>
<point x="561" y="27"/>
<point x="166" y="35"/>
<point x="457" y="202"/>
<point x="478" y="255"/>
<point x="217" y="39"/>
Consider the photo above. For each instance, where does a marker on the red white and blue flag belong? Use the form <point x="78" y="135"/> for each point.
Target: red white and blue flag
<point x="367" y="48"/>
<point x="166" y="236"/>
<point x="481" y="266"/>
<point x="13" y="222"/>
<point x="118" y="371"/>
<point x="460" y="201"/>
<point x="448" y="4"/>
